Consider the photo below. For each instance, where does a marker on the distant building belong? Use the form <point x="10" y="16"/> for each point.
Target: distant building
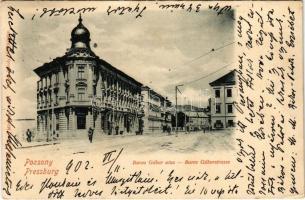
<point x="196" y="120"/>
<point x="221" y="103"/>
<point x="191" y="117"/>
<point x="79" y="90"/>
<point x="157" y="111"/>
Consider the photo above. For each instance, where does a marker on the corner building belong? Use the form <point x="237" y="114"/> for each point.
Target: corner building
<point x="79" y="90"/>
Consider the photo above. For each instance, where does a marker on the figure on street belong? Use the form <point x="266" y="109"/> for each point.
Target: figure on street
<point x="117" y="129"/>
<point x="90" y="134"/>
<point x="28" y="135"/>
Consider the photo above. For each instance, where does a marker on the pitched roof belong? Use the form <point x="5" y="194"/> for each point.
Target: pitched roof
<point x="227" y="79"/>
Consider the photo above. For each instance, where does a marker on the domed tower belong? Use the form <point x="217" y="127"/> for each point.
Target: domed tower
<point x="80" y="41"/>
<point x="80" y="36"/>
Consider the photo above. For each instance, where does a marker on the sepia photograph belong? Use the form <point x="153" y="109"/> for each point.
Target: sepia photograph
<point x="165" y="82"/>
<point x="152" y="100"/>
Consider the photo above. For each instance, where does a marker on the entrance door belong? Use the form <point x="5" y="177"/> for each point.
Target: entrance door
<point x="81" y="121"/>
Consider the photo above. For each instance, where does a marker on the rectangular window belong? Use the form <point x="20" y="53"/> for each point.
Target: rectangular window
<point x="81" y="72"/>
<point x="57" y="77"/>
<point x="229" y="92"/>
<point x="50" y="80"/>
<point x="217" y="93"/>
<point x="218" y="124"/>
<point x="56" y="98"/>
<point x="230" y="123"/>
<point x="230" y="108"/>
<point x="218" y="108"/>
<point x="45" y="82"/>
<point x="81" y="94"/>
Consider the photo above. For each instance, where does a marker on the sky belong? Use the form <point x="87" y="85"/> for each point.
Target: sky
<point x="152" y="49"/>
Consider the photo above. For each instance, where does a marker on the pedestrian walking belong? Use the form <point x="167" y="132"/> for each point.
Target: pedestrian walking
<point x="168" y="128"/>
<point x="90" y="134"/>
<point x="54" y="135"/>
<point x="117" y="129"/>
<point x="110" y="128"/>
<point x="28" y="135"/>
<point x="141" y="126"/>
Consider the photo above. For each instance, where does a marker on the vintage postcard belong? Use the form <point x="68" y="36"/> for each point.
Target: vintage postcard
<point x="152" y="100"/>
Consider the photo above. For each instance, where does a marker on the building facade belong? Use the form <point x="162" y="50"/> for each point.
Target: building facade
<point x="157" y="111"/>
<point x="221" y="103"/>
<point x="79" y="90"/>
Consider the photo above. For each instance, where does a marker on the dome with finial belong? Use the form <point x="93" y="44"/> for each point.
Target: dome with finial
<point x="80" y="35"/>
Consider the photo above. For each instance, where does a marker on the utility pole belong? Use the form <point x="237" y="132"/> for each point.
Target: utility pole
<point x="177" y="89"/>
<point x="185" y="114"/>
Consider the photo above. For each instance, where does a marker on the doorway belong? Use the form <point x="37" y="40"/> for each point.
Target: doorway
<point x="81" y="121"/>
<point x="81" y="118"/>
